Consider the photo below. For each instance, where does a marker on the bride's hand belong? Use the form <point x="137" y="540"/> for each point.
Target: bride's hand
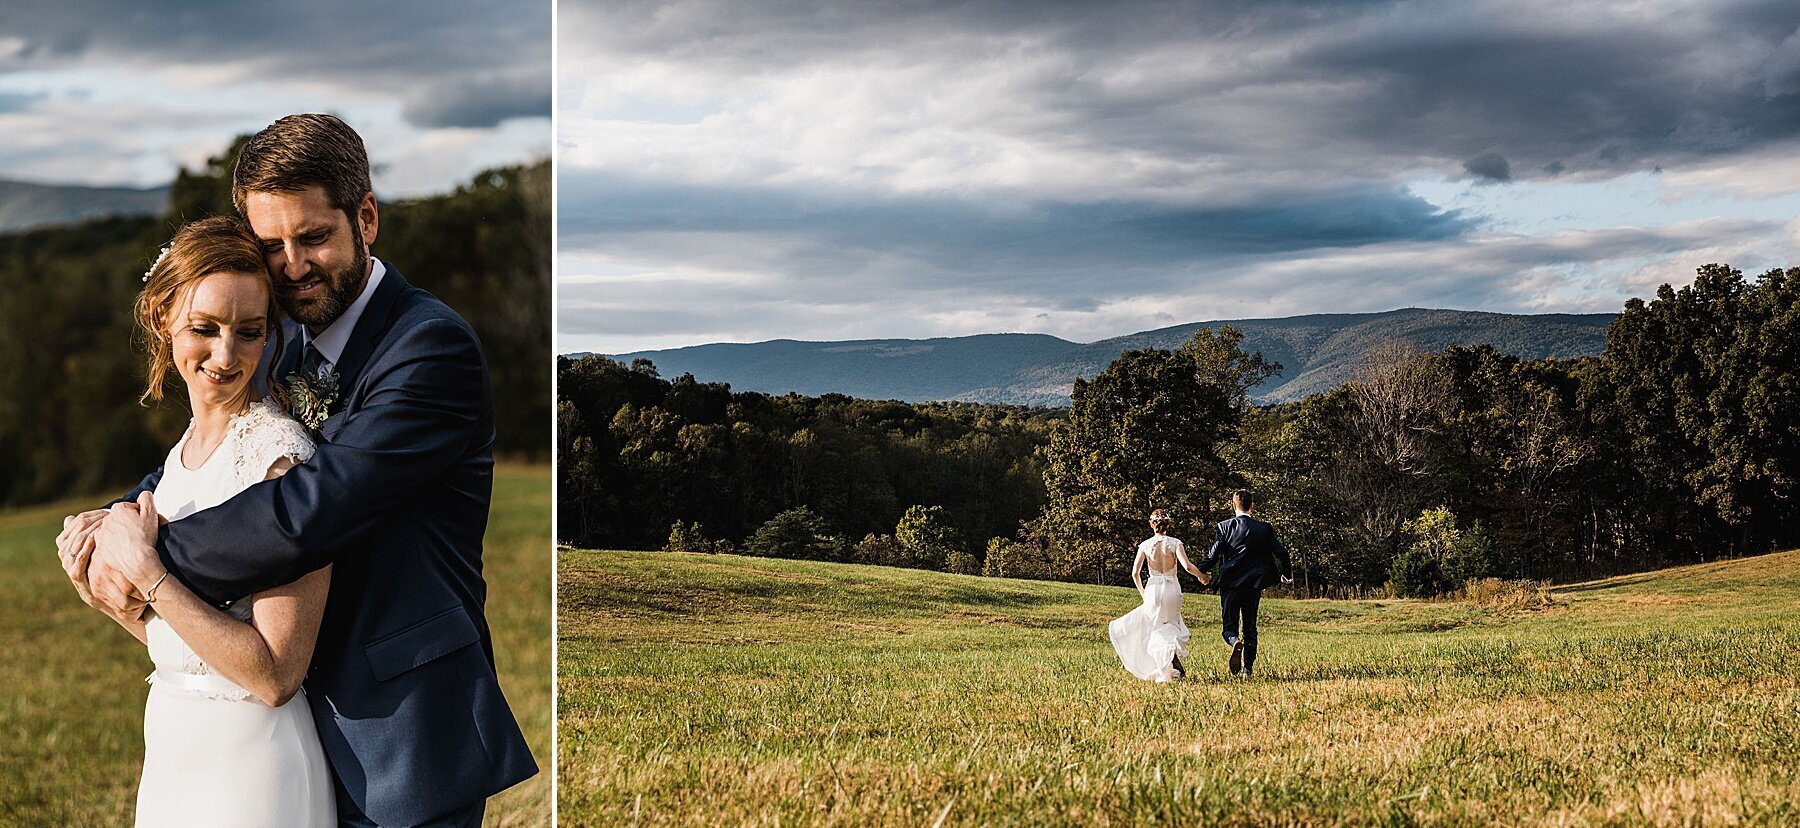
<point x="75" y="547"/>
<point x="125" y="564"/>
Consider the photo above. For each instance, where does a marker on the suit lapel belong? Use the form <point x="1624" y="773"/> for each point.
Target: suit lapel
<point x="293" y="342"/>
<point x="374" y="322"/>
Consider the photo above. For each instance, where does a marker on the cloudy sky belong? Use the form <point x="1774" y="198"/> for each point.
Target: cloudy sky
<point x="124" y="92"/>
<point x="736" y="171"/>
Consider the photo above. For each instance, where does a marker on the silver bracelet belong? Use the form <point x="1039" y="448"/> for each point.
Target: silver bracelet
<point x="150" y="594"/>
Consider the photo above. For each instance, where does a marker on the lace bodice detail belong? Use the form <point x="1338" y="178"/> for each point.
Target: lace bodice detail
<point x="254" y="441"/>
<point x="1163" y="550"/>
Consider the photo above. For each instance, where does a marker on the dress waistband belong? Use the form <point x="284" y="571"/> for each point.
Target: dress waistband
<point x="1166" y="576"/>
<point x="211" y="686"/>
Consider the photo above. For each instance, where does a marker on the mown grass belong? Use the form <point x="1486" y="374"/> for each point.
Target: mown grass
<point x="71" y="719"/>
<point x="721" y="690"/>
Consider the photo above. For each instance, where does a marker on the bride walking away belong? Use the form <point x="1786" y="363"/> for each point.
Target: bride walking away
<point x="1152" y="638"/>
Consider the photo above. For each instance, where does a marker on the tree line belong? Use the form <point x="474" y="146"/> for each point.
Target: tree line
<point x="1426" y="471"/>
<point x="70" y="423"/>
<point x="645" y="462"/>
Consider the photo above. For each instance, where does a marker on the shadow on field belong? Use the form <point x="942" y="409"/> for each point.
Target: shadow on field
<point x="1610" y="583"/>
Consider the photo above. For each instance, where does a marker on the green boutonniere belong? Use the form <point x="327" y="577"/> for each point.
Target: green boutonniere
<point x="310" y="398"/>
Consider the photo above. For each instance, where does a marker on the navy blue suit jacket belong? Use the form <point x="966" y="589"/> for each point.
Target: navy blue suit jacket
<point x="402" y="682"/>
<point x="1248" y="555"/>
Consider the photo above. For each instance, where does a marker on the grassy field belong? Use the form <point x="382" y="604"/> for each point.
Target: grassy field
<point x="71" y="716"/>
<point x="726" y="690"/>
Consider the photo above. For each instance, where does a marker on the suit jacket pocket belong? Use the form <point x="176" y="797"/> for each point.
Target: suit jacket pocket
<point x="439" y="635"/>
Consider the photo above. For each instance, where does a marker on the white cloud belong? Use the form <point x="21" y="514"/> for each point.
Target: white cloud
<point x="825" y="169"/>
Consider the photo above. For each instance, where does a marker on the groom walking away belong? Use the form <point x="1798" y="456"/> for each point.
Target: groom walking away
<point x="1250" y="559"/>
<point x="394" y="384"/>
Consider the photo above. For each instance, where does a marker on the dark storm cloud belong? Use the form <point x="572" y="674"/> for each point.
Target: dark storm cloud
<point x="479" y="102"/>
<point x="1054" y="248"/>
<point x="967" y="166"/>
<point x="1489" y="167"/>
<point x="453" y="62"/>
<point x="1582" y="88"/>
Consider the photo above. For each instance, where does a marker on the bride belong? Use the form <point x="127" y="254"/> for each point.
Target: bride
<point x="1151" y="639"/>
<point x="228" y="737"/>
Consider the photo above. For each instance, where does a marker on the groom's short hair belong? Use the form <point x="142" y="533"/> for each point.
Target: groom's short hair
<point x="1243" y="500"/>
<point x="301" y="151"/>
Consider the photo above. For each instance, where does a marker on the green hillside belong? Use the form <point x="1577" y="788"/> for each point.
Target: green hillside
<point x="918" y="370"/>
<point x="24" y="205"/>
<point x="1318" y="351"/>
<point x="71" y="719"/>
<point x="727" y="690"/>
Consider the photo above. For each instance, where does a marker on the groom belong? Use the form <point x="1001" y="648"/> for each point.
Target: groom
<point x="402" y="681"/>
<point x="1250" y="559"/>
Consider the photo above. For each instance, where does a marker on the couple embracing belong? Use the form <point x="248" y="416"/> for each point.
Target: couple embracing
<point x="1152" y="638"/>
<point x="305" y="568"/>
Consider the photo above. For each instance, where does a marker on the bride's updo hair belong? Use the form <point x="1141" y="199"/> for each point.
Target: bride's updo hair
<point x="200" y="249"/>
<point x="1159" y="522"/>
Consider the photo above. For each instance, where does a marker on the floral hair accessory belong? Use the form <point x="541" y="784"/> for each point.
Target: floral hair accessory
<point x="1159" y="515"/>
<point x="159" y="258"/>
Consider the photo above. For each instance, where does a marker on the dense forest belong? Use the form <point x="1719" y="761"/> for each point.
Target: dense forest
<point x="70" y="423"/>
<point x="637" y="453"/>
<point x="1423" y="472"/>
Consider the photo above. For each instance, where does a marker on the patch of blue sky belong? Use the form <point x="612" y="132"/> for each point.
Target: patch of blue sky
<point x="1634" y="200"/>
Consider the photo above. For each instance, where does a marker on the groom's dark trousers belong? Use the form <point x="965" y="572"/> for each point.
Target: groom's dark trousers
<point x="1249" y="559"/>
<point x="402" y="682"/>
<point x="1239" y="606"/>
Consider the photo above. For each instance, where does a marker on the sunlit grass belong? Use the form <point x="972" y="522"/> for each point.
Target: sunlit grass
<point x="729" y="690"/>
<point x="71" y="718"/>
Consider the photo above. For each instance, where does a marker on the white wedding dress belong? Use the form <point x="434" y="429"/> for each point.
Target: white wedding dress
<point x="213" y="754"/>
<point x="1149" y="637"/>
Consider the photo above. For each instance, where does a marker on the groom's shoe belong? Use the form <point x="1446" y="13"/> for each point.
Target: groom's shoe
<point x="1180" y="672"/>
<point x="1237" y="656"/>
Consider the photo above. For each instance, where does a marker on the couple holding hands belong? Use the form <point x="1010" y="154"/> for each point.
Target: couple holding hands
<point x="1152" y="638"/>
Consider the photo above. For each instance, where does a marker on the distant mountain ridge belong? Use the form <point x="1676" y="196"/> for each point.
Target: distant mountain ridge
<point x="24" y="205"/>
<point x="1318" y="353"/>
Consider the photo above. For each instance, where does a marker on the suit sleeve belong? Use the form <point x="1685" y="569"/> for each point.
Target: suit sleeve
<point x="1211" y="560"/>
<point x="148" y="484"/>
<point x="419" y="417"/>
<point x="1281" y="555"/>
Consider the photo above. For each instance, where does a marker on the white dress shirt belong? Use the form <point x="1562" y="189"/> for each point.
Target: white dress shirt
<point x="336" y="335"/>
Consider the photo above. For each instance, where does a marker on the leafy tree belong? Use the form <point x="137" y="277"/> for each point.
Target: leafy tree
<point x="1145" y="433"/>
<point x="1015" y="559"/>
<point x="1442" y="556"/>
<point x="796" y="533"/>
<point x="1284" y="453"/>
<point x="1704" y="384"/>
<point x="880" y="550"/>
<point x="926" y="537"/>
<point x="196" y="194"/>
<point x="687" y="537"/>
<point x="580" y="497"/>
<point x="960" y="562"/>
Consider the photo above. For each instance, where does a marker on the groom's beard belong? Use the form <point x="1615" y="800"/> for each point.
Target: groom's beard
<point x="341" y="287"/>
